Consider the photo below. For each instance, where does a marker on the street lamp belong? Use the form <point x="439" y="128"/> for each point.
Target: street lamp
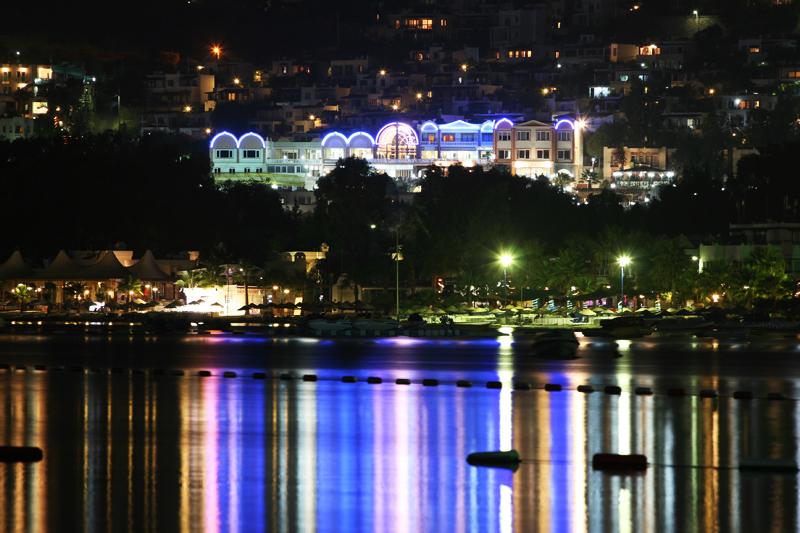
<point x="622" y="261"/>
<point x="506" y="260"/>
<point x="216" y="51"/>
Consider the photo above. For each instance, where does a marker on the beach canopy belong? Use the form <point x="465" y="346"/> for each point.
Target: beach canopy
<point x="107" y="267"/>
<point x="15" y="268"/>
<point x="61" y="268"/>
<point x="147" y="269"/>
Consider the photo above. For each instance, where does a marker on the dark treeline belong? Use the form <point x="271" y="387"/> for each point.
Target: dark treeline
<point x="109" y="191"/>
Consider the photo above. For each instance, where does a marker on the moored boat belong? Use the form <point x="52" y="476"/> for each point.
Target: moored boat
<point x="623" y="327"/>
<point x="556" y="343"/>
<point x="322" y="325"/>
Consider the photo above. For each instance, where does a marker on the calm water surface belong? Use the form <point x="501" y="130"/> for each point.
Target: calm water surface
<point x="139" y="450"/>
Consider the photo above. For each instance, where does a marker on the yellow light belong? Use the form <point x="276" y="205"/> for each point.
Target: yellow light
<point x="187" y="109"/>
<point x="419" y="96"/>
<point x="200" y="67"/>
<point x="208" y="131"/>
<point x="580" y="123"/>
<point x="545" y="91"/>
<point x="715" y="298"/>
<point x="216" y="51"/>
<point x="464" y="67"/>
<point x="506" y="259"/>
<point x="712" y="91"/>
<point x="382" y="72"/>
<point x="274" y="287"/>
<point x="236" y="81"/>
<point x="395" y="107"/>
<point x="312" y="117"/>
<point x="285" y="291"/>
<point x="624" y="261"/>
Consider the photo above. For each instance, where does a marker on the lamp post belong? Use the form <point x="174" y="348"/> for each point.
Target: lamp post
<point x="397" y="256"/>
<point x="506" y="260"/>
<point x="622" y="261"/>
<point x="397" y="259"/>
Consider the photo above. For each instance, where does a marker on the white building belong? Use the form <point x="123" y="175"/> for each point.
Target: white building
<point x="398" y="149"/>
<point x="535" y="148"/>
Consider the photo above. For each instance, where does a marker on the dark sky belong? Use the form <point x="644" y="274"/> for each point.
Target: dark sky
<point x="258" y="28"/>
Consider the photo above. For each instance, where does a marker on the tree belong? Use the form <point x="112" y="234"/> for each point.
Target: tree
<point x="352" y="216"/>
<point x="22" y="294"/>
<point x="131" y="287"/>
<point x="669" y="271"/>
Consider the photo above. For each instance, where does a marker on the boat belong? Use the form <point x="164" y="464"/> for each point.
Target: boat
<point x="623" y="327"/>
<point x="375" y="324"/>
<point x="556" y="343"/>
<point x="678" y="325"/>
<point x="321" y="325"/>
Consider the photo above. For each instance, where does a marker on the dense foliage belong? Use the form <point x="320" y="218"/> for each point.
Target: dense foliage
<point x="106" y="191"/>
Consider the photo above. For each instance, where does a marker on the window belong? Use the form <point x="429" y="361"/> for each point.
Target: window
<point x="523" y="154"/>
<point x="246" y="170"/>
<point x="5" y="75"/>
<point x="523" y="136"/>
<point x="792" y="74"/>
<point x="231" y="171"/>
<point x="542" y="154"/>
<point x="252" y="154"/>
<point x="503" y="135"/>
<point x="448" y="138"/>
<point x="542" y="135"/>
<point x="217" y="170"/>
<point x="224" y="154"/>
<point x="564" y="155"/>
<point x="487" y="137"/>
<point x="467" y="137"/>
<point x="504" y="154"/>
<point x="564" y="136"/>
<point x="431" y="138"/>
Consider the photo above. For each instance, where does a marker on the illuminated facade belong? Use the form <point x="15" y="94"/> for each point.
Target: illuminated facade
<point x="536" y="148"/>
<point x="403" y="150"/>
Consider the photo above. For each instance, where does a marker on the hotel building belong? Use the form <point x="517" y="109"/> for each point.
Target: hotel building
<point x="404" y="150"/>
<point x="536" y="148"/>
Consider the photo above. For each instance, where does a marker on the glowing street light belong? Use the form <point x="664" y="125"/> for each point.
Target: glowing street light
<point x="216" y="51"/>
<point x="506" y="260"/>
<point x="623" y="261"/>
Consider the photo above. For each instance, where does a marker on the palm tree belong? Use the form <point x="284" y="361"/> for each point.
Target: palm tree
<point x="132" y="287"/>
<point x="189" y="279"/>
<point x="22" y="294"/>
